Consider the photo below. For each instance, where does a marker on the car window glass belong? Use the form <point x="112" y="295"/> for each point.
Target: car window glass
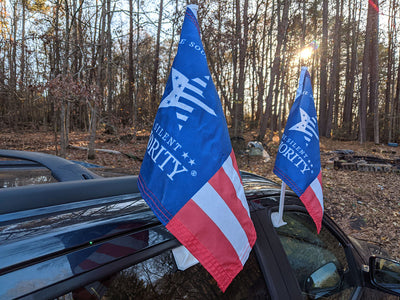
<point x="159" y="278"/>
<point x="318" y="260"/>
<point x="21" y="172"/>
<point x="373" y="294"/>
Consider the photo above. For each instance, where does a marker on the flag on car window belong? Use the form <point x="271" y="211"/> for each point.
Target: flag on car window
<point x="189" y="176"/>
<point x="298" y="161"/>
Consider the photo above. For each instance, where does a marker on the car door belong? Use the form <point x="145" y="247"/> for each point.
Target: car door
<point x="323" y="264"/>
<point x="318" y="260"/>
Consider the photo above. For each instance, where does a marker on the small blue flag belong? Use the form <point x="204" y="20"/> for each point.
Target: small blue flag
<point x="298" y="161"/>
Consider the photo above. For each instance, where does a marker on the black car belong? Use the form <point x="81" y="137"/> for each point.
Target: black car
<point x="81" y="236"/>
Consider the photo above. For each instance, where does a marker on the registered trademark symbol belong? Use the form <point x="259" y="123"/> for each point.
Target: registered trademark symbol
<point x="193" y="173"/>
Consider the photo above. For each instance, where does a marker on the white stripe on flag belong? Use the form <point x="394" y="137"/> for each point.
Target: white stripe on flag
<point x="200" y="82"/>
<point x="224" y="219"/>
<point x="234" y="177"/>
<point x="316" y="187"/>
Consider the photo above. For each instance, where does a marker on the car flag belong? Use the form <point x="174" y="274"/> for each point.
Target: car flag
<point x="298" y="161"/>
<point x="189" y="175"/>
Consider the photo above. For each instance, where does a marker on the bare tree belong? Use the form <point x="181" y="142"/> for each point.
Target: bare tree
<point x="131" y="75"/>
<point x="241" y="38"/>
<point x="352" y="58"/>
<point x="98" y="94"/>
<point x="395" y="120"/>
<point x="333" y="91"/>
<point x="370" y="73"/>
<point x="323" y="91"/>
<point x="154" y="93"/>
<point x="374" y="80"/>
<point x="283" y="22"/>
<point x="110" y="83"/>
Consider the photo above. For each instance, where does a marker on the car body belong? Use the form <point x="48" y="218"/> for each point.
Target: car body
<point x="84" y="237"/>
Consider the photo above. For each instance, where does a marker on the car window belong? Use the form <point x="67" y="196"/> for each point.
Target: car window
<point x="21" y="172"/>
<point x="373" y="294"/>
<point x="25" y="177"/>
<point x="318" y="260"/>
<point x="159" y="278"/>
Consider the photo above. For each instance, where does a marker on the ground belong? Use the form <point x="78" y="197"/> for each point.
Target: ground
<point x="366" y="205"/>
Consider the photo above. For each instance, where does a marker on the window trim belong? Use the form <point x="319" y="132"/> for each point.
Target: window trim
<point x="81" y="280"/>
<point x="278" y="274"/>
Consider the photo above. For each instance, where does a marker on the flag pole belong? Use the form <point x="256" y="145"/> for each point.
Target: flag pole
<point x="277" y="217"/>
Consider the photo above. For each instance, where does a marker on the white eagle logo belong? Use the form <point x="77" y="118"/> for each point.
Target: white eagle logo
<point x="179" y="84"/>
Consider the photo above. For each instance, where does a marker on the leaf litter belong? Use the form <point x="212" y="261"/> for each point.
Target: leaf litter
<point x="366" y="205"/>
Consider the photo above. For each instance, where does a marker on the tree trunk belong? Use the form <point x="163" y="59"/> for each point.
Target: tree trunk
<point x="110" y="82"/>
<point x="389" y="81"/>
<point x="74" y="33"/>
<point x="97" y="96"/>
<point x="63" y="144"/>
<point x="322" y="125"/>
<point x="93" y="127"/>
<point x="241" y="39"/>
<point x="63" y="100"/>
<point x="154" y="89"/>
<point x="12" y="91"/>
<point x="394" y="126"/>
<point x="364" y="80"/>
<point x="137" y="65"/>
<point x="261" y="78"/>
<point x="351" y="72"/>
<point x="374" y="81"/>
<point x="131" y="77"/>
<point x="335" y="70"/>
<point x="22" y="59"/>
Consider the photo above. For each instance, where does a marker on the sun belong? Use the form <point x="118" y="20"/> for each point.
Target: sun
<point x="307" y="52"/>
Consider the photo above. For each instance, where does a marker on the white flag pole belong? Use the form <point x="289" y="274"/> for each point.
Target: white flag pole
<point x="277" y="217"/>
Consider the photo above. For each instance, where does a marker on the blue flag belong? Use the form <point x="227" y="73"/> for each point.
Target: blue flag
<point x="189" y="176"/>
<point x="298" y="161"/>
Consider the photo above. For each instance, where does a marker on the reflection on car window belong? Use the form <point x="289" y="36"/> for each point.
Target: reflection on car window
<point x="318" y="260"/>
<point x="13" y="178"/>
<point x="158" y="278"/>
<point x="373" y="294"/>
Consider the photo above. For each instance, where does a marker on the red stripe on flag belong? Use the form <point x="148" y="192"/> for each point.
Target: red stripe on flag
<point x="199" y="234"/>
<point x="313" y="205"/>
<point x="223" y="185"/>
<point x="320" y="178"/>
<point x="235" y="166"/>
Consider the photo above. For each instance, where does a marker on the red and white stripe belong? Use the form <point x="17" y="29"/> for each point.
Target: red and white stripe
<point x="215" y="225"/>
<point x="313" y="200"/>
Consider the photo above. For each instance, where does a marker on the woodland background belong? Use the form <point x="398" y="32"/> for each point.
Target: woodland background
<point x="78" y="65"/>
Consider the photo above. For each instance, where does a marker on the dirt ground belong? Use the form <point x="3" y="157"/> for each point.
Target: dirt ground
<point x="365" y="204"/>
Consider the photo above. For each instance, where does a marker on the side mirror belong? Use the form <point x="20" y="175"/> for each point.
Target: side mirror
<point x="323" y="281"/>
<point x="385" y="274"/>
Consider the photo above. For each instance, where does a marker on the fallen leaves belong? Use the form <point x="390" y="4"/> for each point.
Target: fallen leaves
<point x="366" y="205"/>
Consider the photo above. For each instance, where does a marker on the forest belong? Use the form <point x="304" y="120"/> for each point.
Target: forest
<point x="82" y="65"/>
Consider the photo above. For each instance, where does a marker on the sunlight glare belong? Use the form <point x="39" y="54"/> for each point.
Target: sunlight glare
<point x="306" y="52"/>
